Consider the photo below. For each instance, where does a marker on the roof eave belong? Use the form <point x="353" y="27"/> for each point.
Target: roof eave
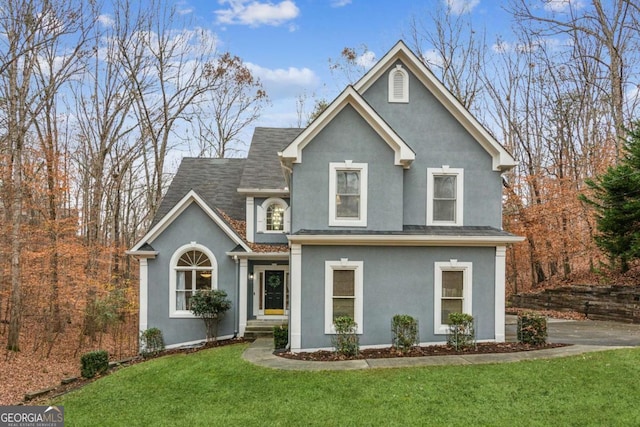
<point x="142" y="254"/>
<point x="404" y="240"/>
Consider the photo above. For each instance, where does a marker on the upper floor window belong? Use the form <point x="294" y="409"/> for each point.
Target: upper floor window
<point x="445" y="196"/>
<point x="193" y="267"/>
<point x="273" y="216"/>
<point x="348" y="194"/>
<point x="398" y="84"/>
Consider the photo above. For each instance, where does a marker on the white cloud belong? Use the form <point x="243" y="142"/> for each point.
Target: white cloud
<point x="106" y="20"/>
<point x="501" y="47"/>
<point x="340" y="3"/>
<point x="185" y="11"/>
<point x="562" y="5"/>
<point x="291" y="75"/>
<point x="366" y="60"/>
<point x="255" y="13"/>
<point x="460" y="7"/>
<point x="433" y="58"/>
<point x="284" y="82"/>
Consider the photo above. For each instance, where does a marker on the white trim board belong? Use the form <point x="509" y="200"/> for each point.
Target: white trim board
<point x="404" y="155"/>
<point x="178" y="208"/>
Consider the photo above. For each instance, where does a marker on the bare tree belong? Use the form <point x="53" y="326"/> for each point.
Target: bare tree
<point x="613" y="25"/>
<point x="168" y="69"/>
<point x="31" y="30"/>
<point x="450" y="45"/>
<point x="104" y="120"/>
<point x="233" y="103"/>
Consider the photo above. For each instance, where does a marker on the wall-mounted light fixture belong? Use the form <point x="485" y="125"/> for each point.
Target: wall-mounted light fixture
<point x="250" y="276"/>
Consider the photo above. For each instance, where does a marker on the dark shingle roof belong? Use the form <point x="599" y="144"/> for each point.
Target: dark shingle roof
<point x="262" y="169"/>
<point x="215" y="180"/>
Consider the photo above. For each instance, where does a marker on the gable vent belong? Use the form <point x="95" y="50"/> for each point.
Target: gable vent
<point x="398" y="85"/>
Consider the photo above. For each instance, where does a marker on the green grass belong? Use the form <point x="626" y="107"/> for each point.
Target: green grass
<point x="217" y="388"/>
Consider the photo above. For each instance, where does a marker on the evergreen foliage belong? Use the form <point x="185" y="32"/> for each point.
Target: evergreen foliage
<point x="210" y="305"/>
<point x="616" y="200"/>
<point x="94" y="362"/>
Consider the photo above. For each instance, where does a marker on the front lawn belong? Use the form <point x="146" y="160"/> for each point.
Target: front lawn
<point x="217" y="388"/>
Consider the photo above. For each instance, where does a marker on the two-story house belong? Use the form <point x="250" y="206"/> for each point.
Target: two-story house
<point x="388" y="203"/>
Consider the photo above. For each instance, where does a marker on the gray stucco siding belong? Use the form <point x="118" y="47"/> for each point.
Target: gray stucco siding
<point x="193" y="225"/>
<point x="347" y="137"/>
<point x="396" y="280"/>
<point x="439" y="139"/>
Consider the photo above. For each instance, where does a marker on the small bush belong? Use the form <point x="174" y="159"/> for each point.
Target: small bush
<point x="346" y="341"/>
<point x="151" y="342"/>
<point x="461" y="331"/>
<point x="405" y="332"/>
<point x="280" y="336"/>
<point x="532" y="329"/>
<point x="210" y="305"/>
<point x="94" y="362"/>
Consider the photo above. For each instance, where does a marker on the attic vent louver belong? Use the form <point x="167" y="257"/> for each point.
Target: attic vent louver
<point x="398" y="85"/>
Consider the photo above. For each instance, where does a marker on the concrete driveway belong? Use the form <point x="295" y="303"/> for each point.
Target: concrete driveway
<point x="584" y="332"/>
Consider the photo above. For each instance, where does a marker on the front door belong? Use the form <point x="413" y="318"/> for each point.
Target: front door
<point x="274" y="285"/>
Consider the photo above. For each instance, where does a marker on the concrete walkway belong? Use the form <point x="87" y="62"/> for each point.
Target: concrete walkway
<point x="586" y="336"/>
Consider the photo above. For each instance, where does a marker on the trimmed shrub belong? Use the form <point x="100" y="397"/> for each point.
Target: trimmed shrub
<point x="405" y="332"/>
<point x="151" y="342"/>
<point x="210" y="305"/>
<point x="94" y="362"/>
<point x="280" y="336"/>
<point x="346" y="341"/>
<point x="532" y="329"/>
<point x="461" y="331"/>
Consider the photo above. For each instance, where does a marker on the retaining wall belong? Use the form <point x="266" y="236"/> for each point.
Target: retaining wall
<point x="617" y="303"/>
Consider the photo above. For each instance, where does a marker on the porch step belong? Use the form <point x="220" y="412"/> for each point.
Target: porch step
<point x="262" y="328"/>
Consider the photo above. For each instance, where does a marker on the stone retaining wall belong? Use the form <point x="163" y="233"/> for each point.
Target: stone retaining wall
<point x="617" y="303"/>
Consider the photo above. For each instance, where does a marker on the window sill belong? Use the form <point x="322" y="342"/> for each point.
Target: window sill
<point x="182" y="314"/>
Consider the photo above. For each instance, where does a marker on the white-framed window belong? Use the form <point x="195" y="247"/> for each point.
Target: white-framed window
<point x="343" y="292"/>
<point x="452" y="292"/>
<point x="445" y="191"/>
<point x="398" y="84"/>
<point x="192" y="267"/>
<point x="273" y="216"/>
<point x="348" y="194"/>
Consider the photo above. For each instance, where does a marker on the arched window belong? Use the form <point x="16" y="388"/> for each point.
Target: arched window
<point x="193" y="267"/>
<point x="398" y="85"/>
<point x="275" y="217"/>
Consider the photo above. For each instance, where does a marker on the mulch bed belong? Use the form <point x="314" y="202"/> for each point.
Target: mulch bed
<point x="432" y="350"/>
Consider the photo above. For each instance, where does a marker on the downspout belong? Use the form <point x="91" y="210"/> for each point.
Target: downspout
<point x="236" y="321"/>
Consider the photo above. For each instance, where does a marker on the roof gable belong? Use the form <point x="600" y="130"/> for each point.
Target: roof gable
<point x="174" y="213"/>
<point x="403" y="156"/>
<point x="501" y="159"/>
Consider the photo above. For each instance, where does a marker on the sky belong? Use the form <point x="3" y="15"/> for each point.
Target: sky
<point x="288" y="43"/>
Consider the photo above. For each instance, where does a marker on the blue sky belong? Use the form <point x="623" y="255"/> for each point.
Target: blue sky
<point x="288" y="43"/>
